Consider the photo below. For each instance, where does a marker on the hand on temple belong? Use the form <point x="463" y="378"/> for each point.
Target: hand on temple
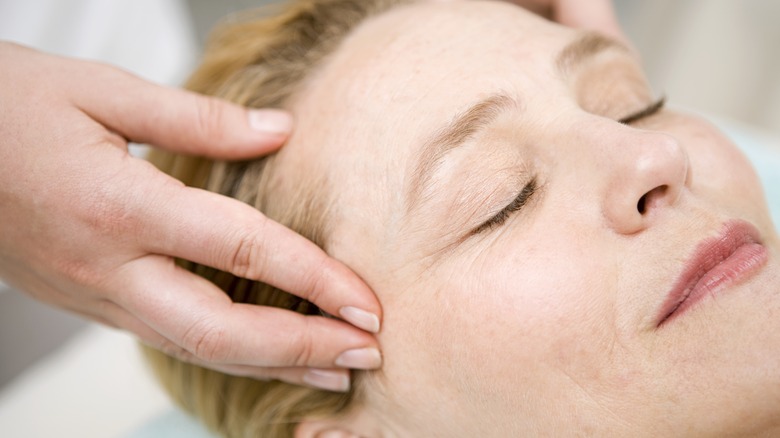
<point x="597" y="15"/>
<point x="89" y="228"/>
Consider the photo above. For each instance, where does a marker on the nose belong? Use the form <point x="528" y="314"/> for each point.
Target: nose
<point x="646" y="171"/>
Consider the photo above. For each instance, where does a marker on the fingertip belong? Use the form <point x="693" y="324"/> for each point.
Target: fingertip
<point x="360" y="359"/>
<point x="270" y="121"/>
<point x="359" y="304"/>
<point x="330" y="380"/>
<point x="268" y="130"/>
<point x="360" y="318"/>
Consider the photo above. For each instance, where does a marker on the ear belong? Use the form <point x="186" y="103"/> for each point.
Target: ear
<point x="355" y="425"/>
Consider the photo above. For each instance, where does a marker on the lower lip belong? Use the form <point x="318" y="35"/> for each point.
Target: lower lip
<point x="739" y="266"/>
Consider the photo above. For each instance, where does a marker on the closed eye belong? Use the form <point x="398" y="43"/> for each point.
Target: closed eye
<point x="519" y="202"/>
<point x="645" y="112"/>
<point x="529" y="189"/>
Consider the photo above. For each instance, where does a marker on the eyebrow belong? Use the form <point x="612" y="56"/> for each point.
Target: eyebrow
<point x="462" y="128"/>
<point x="478" y="116"/>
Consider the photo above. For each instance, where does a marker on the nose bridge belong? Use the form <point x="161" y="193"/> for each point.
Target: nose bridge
<point x="645" y="171"/>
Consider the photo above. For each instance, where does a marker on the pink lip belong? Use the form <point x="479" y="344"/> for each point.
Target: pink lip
<point x="728" y="259"/>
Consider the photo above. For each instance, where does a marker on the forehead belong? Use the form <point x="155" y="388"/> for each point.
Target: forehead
<point x="436" y="56"/>
<point x="402" y="75"/>
<point x="406" y="72"/>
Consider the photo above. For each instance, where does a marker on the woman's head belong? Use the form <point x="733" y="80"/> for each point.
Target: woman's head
<point x="468" y="160"/>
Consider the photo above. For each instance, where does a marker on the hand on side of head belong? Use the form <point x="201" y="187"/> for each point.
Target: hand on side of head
<point x="89" y="228"/>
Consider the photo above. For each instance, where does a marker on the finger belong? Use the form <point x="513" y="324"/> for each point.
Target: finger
<point x="332" y="379"/>
<point x="114" y="316"/>
<point x="111" y="314"/>
<point x="178" y="120"/>
<point x="223" y="233"/>
<point x="197" y="316"/>
<point x="117" y="317"/>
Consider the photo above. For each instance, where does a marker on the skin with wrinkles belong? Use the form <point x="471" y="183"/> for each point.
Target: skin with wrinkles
<point x="89" y="229"/>
<point x="543" y="325"/>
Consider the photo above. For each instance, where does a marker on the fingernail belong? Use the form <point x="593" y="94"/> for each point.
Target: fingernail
<point x="360" y="358"/>
<point x="329" y="380"/>
<point x="270" y="121"/>
<point x="360" y="318"/>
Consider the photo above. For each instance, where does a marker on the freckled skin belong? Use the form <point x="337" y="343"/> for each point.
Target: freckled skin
<point x="541" y="326"/>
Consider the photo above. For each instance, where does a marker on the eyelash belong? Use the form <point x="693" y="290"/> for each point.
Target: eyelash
<point x="519" y="202"/>
<point x="648" y="111"/>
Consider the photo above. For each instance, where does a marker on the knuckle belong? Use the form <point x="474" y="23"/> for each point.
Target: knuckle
<point x="77" y="271"/>
<point x="243" y="258"/>
<point x="210" y="120"/>
<point x="111" y="212"/>
<point x="208" y="342"/>
<point x="318" y="280"/>
<point x="108" y="216"/>
<point x="171" y="349"/>
<point x="302" y="347"/>
<point x="247" y="259"/>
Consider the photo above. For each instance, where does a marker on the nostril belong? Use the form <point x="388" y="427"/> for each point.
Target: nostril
<point x="648" y="198"/>
<point x="640" y="206"/>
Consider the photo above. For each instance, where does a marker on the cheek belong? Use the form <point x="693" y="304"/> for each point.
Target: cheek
<point x="737" y="190"/>
<point x="517" y="324"/>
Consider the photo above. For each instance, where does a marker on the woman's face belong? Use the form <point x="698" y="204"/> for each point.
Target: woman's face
<point x="524" y="242"/>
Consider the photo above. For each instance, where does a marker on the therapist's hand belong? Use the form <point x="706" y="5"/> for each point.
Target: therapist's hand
<point x="596" y="15"/>
<point x="86" y="227"/>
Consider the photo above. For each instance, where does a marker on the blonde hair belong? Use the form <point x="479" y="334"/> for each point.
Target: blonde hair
<point x="260" y="62"/>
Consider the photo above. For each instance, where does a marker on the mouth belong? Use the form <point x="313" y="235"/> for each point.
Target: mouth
<point x="717" y="263"/>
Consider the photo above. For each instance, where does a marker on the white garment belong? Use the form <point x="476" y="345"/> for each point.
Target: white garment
<point x="151" y="38"/>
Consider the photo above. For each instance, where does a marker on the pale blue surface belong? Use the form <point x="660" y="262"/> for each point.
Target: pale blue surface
<point x="761" y="149"/>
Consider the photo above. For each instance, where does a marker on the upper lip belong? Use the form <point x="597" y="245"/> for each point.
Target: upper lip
<point x="708" y="254"/>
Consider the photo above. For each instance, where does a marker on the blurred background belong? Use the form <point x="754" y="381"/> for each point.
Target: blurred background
<point x="715" y="56"/>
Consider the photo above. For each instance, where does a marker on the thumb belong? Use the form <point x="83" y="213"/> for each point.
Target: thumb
<point x="178" y="120"/>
